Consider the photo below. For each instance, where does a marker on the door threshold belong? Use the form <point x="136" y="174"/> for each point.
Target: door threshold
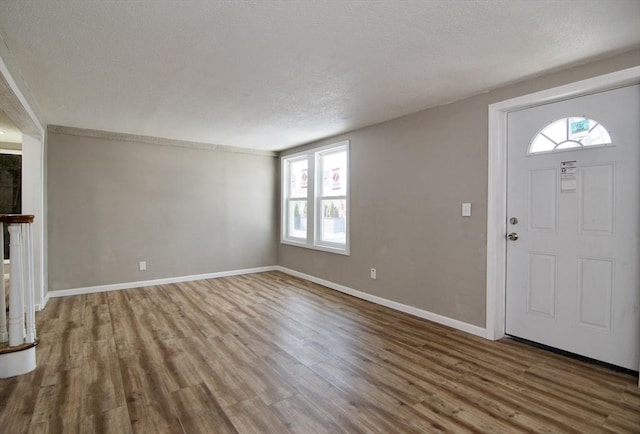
<point x="574" y="356"/>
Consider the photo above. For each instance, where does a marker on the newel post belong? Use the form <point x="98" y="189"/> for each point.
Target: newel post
<point x="21" y="291"/>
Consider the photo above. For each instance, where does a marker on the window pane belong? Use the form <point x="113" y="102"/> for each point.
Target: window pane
<point x="541" y="144"/>
<point x="557" y="131"/>
<point x="315" y="197"/>
<point x="334" y="221"/>
<point x="574" y="132"/>
<point x="334" y="174"/>
<point x="597" y="136"/>
<point x="298" y="178"/>
<point x="579" y="128"/>
<point x="298" y="218"/>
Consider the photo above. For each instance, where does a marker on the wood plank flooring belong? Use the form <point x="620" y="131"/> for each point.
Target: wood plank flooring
<point x="269" y="353"/>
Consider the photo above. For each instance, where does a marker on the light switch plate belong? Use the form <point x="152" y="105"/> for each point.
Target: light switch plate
<point x="466" y="209"/>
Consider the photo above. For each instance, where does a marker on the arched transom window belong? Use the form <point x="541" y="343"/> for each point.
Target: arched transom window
<point x="569" y="134"/>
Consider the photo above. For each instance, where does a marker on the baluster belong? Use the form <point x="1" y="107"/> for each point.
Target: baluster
<point x="4" y="336"/>
<point x="27" y="248"/>
<point x="16" y="294"/>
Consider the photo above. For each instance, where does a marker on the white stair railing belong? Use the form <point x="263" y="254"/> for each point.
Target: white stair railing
<point x="22" y="324"/>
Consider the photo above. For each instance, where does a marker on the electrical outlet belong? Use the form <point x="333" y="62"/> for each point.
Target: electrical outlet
<point x="374" y="273"/>
<point x="142" y="265"/>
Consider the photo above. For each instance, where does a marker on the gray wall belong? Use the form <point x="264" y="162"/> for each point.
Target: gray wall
<point x="185" y="211"/>
<point x="409" y="177"/>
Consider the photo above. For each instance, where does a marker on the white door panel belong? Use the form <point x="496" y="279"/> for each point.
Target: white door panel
<point x="573" y="273"/>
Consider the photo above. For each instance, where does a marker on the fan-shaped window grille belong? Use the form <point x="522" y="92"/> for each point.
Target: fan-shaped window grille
<point x="569" y="134"/>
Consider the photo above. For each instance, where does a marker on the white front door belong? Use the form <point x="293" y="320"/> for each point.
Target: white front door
<point x="573" y="204"/>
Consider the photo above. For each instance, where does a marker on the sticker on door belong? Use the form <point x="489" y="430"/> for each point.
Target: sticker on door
<point x="568" y="177"/>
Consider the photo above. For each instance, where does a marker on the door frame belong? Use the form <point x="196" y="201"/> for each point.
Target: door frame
<point x="497" y="181"/>
<point x="18" y="110"/>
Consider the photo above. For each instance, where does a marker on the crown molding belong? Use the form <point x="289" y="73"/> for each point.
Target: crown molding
<point x="124" y="137"/>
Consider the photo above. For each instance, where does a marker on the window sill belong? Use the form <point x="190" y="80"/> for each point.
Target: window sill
<point x="344" y="252"/>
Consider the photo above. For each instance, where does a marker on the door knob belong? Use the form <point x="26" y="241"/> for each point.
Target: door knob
<point x="512" y="236"/>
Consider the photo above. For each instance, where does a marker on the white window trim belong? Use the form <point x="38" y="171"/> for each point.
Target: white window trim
<point x="313" y="227"/>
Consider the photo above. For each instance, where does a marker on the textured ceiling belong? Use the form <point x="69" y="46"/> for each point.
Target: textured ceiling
<point x="273" y="74"/>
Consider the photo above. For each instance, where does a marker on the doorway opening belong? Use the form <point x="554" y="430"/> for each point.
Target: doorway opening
<point x="10" y="176"/>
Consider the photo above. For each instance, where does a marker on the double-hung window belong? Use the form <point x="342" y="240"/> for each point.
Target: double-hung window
<point x="315" y="198"/>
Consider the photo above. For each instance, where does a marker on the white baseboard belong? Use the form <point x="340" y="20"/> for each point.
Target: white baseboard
<point x="165" y="281"/>
<point x="41" y="306"/>
<point x="453" y="323"/>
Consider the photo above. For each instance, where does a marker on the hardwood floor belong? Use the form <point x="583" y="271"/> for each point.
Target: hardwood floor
<point x="269" y="353"/>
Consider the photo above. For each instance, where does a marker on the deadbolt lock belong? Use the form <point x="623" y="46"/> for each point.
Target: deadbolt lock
<point x="513" y="220"/>
<point x="512" y="236"/>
